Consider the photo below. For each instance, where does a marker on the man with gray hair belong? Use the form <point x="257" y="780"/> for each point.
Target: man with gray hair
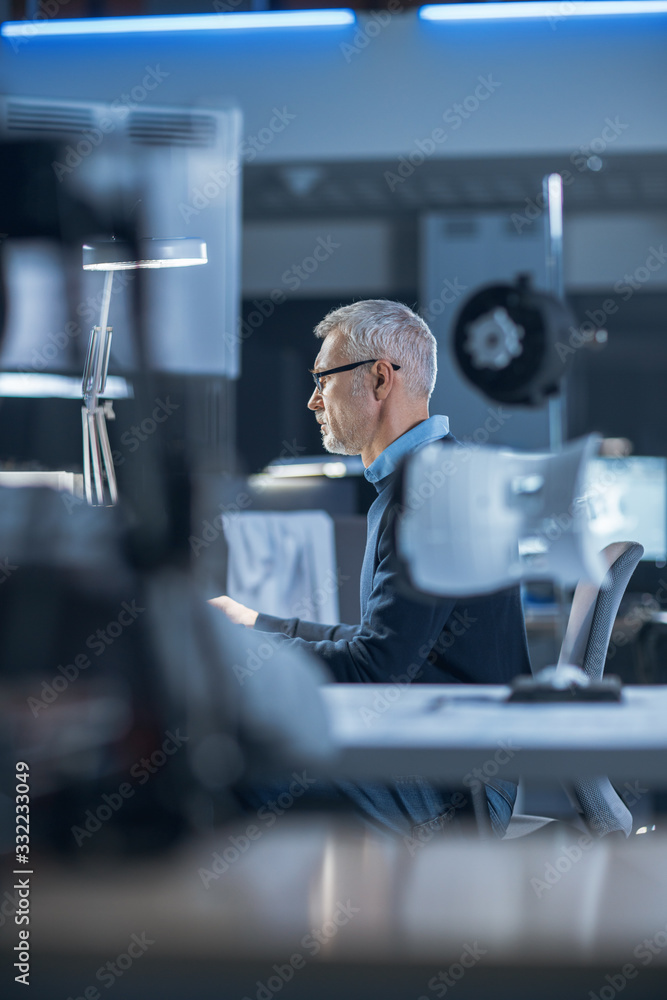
<point x="374" y="375"/>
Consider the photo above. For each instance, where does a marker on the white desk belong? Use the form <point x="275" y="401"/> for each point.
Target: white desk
<point x="444" y="731"/>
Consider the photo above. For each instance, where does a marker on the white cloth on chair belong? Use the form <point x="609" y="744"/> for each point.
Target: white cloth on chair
<point x="283" y="564"/>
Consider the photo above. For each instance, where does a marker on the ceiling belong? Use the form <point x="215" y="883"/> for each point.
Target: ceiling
<point x="631" y="182"/>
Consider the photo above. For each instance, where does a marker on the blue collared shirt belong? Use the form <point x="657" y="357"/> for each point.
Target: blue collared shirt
<point x="387" y="461"/>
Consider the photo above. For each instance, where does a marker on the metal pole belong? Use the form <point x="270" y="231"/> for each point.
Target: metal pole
<point x="552" y="189"/>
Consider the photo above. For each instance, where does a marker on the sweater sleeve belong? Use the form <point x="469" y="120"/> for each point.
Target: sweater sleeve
<point x="310" y="631"/>
<point x="394" y="638"/>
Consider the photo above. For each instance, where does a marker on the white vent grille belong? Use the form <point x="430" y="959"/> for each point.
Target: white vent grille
<point x="147" y="127"/>
<point x="56" y="119"/>
<point x="151" y="129"/>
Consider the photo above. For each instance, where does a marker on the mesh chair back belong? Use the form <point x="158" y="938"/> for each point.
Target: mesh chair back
<point x="594" y="610"/>
<point x="585" y="644"/>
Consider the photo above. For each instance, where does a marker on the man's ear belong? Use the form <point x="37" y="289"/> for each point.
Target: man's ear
<point x="383" y="379"/>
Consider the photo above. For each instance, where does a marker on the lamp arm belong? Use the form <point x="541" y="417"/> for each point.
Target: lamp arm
<point x="97" y="453"/>
<point x="100" y="359"/>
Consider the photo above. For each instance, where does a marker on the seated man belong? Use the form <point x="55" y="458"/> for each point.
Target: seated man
<point x="374" y="375"/>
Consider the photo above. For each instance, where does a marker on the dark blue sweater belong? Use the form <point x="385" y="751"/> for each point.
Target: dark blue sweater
<point x="480" y="640"/>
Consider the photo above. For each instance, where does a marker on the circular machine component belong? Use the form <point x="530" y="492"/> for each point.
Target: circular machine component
<point x="507" y="340"/>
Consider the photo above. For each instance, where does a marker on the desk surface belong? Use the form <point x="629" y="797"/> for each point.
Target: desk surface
<point x="539" y="911"/>
<point x="445" y="731"/>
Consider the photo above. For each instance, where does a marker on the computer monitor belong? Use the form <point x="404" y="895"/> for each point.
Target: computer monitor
<point x="627" y="500"/>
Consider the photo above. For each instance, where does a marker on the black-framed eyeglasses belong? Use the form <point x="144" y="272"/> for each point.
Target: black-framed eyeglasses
<point x="345" y="368"/>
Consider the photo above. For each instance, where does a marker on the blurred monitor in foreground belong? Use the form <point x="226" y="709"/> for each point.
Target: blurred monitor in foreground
<point x="628" y="502"/>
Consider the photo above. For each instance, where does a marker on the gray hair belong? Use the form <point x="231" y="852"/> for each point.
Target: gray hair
<point x="378" y="328"/>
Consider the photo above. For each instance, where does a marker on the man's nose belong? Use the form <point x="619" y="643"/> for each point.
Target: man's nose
<point x="315" y="401"/>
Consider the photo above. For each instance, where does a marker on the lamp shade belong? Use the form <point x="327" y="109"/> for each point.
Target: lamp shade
<point x="119" y="255"/>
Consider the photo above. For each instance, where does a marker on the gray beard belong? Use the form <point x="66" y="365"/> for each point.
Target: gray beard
<point x="336" y="447"/>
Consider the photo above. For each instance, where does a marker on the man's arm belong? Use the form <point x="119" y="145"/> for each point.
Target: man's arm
<point x="239" y="614"/>
<point x="395" y="637"/>
<point x="309" y="631"/>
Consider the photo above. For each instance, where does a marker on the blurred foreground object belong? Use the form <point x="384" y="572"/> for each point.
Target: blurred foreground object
<point x="134" y="704"/>
<point x="476" y="519"/>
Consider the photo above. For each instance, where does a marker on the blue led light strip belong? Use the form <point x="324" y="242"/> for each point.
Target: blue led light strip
<point x="537" y="9"/>
<point x="178" y="22"/>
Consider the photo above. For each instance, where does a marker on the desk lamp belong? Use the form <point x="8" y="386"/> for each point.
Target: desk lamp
<point x="116" y="255"/>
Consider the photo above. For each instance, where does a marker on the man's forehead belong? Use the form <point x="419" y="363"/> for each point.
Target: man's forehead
<point x="330" y="349"/>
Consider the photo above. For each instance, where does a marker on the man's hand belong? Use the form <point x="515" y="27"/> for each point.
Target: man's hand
<point x="237" y="613"/>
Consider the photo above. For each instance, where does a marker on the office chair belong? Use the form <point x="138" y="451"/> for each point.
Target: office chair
<point x="585" y="645"/>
